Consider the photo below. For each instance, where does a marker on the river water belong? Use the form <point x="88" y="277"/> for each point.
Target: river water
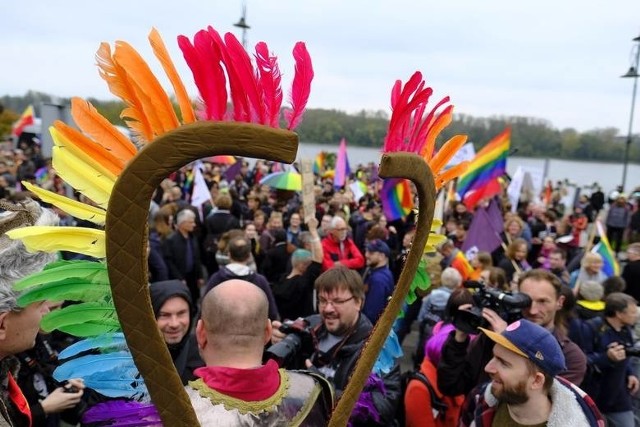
<point x="581" y="173"/>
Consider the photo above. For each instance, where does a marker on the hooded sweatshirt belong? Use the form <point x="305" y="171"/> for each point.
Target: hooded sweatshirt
<point x="184" y="354"/>
<point x="239" y="271"/>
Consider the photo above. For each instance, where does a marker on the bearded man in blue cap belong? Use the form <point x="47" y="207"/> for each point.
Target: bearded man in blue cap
<point x="524" y="387"/>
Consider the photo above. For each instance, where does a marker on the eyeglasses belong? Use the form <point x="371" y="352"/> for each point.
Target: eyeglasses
<point x="336" y="303"/>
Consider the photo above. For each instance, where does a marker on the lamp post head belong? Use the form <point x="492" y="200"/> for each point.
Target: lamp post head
<point x="242" y="24"/>
<point x="631" y="73"/>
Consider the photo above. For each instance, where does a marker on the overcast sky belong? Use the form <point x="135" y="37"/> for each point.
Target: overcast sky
<point x="554" y="60"/>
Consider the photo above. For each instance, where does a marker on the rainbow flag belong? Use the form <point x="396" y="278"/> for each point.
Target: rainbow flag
<point x="610" y="266"/>
<point x="342" y="165"/>
<point x="489" y="164"/>
<point x="26" y="119"/>
<point x="318" y="164"/>
<point x="396" y="198"/>
<point x="460" y="263"/>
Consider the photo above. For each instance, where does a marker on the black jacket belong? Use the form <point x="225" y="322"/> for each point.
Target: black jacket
<point x="343" y="357"/>
<point x="175" y="248"/>
<point x="185" y="355"/>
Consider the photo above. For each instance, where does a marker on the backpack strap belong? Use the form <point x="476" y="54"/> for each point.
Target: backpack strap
<point x="438" y="406"/>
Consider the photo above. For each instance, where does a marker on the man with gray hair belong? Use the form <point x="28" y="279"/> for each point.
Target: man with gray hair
<point x="235" y="388"/>
<point x="182" y="253"/>
<point x="19" y="326"/>
<point x="339" y="248"/>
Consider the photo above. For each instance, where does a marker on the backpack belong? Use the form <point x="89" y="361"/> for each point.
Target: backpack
<point x="438" y="406"/>
<point x="591" y="328"/>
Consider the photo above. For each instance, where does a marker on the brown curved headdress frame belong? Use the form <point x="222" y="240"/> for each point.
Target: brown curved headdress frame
<point x="126" y="222"/>
<point x="414" y="168"/>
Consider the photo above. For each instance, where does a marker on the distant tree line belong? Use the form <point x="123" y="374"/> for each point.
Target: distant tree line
<point x="531" y="137"/>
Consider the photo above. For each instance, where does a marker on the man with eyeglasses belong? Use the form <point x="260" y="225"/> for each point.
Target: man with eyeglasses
<point x="339" y="332"/>
<point x="339" y="248"/>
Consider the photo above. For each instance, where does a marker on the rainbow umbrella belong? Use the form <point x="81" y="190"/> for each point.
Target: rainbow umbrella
<point x="283" y="180"/>
<point x="222" y="160"/>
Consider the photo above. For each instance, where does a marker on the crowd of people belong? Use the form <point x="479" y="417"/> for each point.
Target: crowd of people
<point x="249" y="283"/>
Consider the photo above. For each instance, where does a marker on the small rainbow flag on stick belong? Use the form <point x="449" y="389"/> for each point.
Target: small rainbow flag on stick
<point x="610" y="266"/>
<point x="27" y="118"/>
<point x="318" y="164"/>
<point x="480" y="179"/>
<point x="396" y="198"/>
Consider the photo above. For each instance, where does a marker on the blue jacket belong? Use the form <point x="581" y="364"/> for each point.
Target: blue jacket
<point x="380" y="287"/>
<point x="611" y="393"/>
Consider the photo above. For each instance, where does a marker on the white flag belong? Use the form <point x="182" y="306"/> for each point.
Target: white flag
<point x="200" y="192"/>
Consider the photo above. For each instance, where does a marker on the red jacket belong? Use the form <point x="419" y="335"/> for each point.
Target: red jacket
<point x="349" y="256"/>
<point x="417" y="401"/>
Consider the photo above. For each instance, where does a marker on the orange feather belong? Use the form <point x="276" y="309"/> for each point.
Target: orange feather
<point x="121" y="86"/>
<point x="443" y="120"/>
<point x="446" y="152"/>
<point x="451" y="173"/>
<point x="154" y="100"/>
<point x="101" y="130"/>
<point x="87" y="150"/>
<point x="160" y="50"/>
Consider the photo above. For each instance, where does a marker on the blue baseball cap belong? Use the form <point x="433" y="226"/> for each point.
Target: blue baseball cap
<point x="533" y="342"/>
<point x="378" y="245"/>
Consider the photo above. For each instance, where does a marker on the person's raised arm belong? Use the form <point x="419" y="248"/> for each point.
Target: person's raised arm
<point x="316" y="245"/>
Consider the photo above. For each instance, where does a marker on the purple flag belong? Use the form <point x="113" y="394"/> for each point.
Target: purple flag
<point x="342" y="165"/>
<point x="233" y="170"/>
<point x="495" y="215"/>
<point x="483" y="233"/>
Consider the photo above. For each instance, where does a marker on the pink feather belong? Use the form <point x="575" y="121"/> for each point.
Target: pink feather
<point x="203" y="58"/>
<point x="301" y="85"/>
<point x="270" y="77"/>
<point x="241" y="109"/>
<point x="241" y="63"/>
<point x="395" y="93"/>
<point x="400" y="114"/>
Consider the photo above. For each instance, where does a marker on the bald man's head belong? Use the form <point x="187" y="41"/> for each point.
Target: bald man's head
<point x="234" y="314"/>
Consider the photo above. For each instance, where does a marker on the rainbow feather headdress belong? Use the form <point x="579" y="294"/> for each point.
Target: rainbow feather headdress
<point x="92" y="159"/>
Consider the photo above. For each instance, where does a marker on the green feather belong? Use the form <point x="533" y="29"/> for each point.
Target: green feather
<point x="92" y="329"/>
<point x="421" y="281"/>
<point x="63" y="270"/>
<point x="72" y="289"/>
<point x="78" y="314"/>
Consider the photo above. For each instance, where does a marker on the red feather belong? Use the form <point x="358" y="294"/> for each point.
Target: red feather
<point x="241" y="111"/>
<point x="203" y="58"/>
<point x="301" y="85"/>
<point x="270" y="77"/>
<point x="241" y="63"/>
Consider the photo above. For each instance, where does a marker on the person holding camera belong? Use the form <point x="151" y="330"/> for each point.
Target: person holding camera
<point x="608" y="344"/>
<point x="461" y="365"/>
<point x="338" y="334"/>
<point x="235" y="388"/>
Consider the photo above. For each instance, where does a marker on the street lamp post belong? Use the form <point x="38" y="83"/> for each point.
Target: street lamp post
<point x="242" y="23"/>
<point x="633" y="73"/>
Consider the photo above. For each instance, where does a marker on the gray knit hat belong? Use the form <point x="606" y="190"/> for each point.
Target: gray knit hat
<point x="15" y="261"/>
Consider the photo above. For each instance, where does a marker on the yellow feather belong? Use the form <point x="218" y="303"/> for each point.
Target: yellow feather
<point x="70" y="206"/>
<point x="86" y="150"/>
<point x="82" y="177"/>
<point x="154" y="100"/>
<point x="159" y="49"/>
<point x="87" y="241"/>
<point x="121" y="86"/>
<point x="101" y="130"/>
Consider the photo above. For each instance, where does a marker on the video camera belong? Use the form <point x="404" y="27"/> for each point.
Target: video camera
<point x="298" y="342"/>
<point x="508" y="306"/>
